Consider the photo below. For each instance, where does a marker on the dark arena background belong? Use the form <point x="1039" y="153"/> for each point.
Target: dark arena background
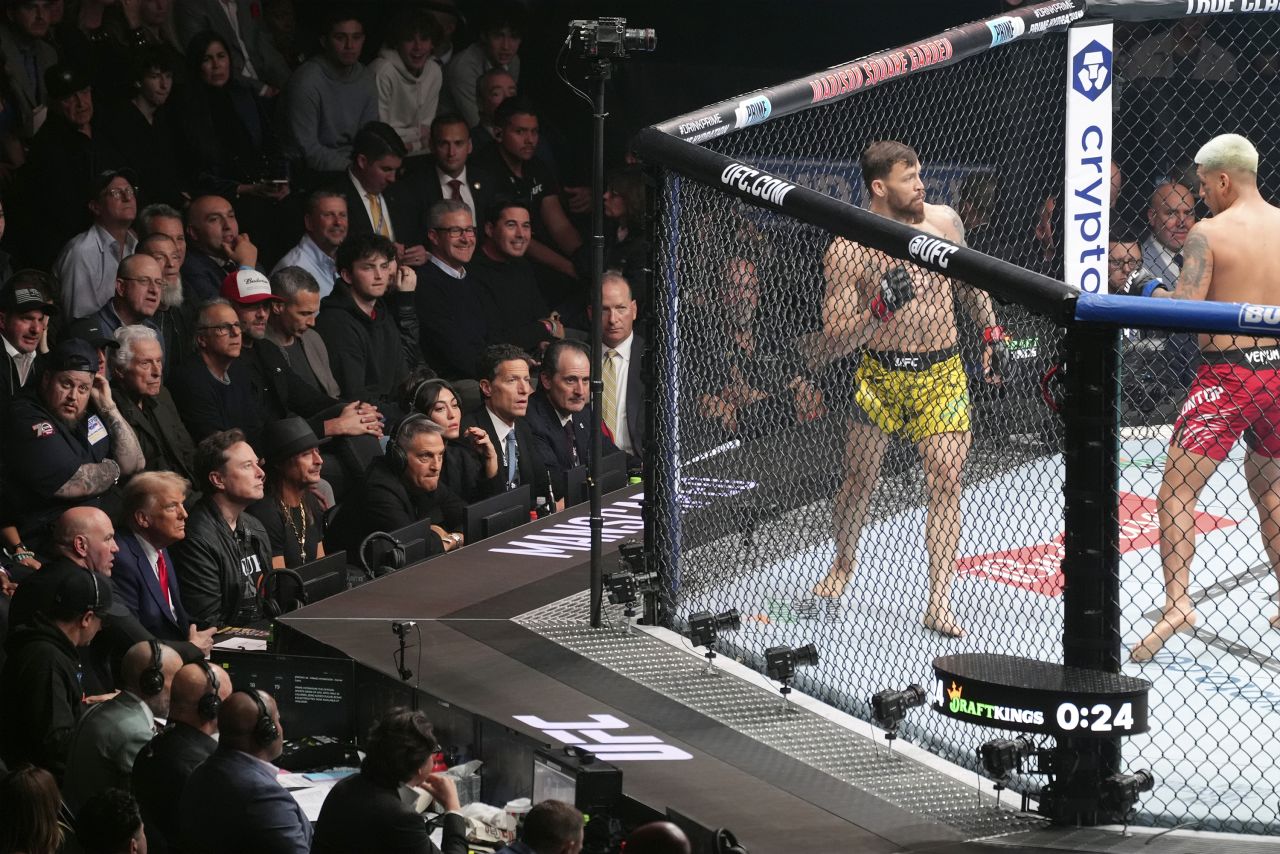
<point x="1060" y="135"/>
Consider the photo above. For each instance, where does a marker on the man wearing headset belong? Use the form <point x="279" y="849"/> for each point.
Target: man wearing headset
<point x="161" y="770"/>
<point x="238" y="786"/>
<point x="108" y="736"/>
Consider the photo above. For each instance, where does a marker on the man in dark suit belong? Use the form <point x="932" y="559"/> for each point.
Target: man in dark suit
<point x="506" y="387"/>
<point x="375" y="205"/>
<point x="161" y="770"/>
<point x="560" y="413"/>
<point x="452" y="176"/>
<point x="143" y="574"/>
<point x="137" y="368"/>
<point x="238" y="785"/>
<point x="453" y="310"/>
<point x="623" y="401"/>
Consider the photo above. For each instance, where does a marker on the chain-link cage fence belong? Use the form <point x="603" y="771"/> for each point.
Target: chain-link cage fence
<point x="856" y="452"/>
<point x="1213" y="735"/>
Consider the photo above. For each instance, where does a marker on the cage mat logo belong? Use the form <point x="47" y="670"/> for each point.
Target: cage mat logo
<point x="1038" y="568"/>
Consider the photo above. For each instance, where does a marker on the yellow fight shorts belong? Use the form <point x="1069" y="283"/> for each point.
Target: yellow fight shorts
<point x="916" y="394"/>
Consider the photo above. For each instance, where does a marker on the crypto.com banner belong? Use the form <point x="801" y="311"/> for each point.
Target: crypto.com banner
<point x="1086" y="216"/>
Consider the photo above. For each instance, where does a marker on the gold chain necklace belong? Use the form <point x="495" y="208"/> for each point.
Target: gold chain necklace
<point x="301" y="535"/>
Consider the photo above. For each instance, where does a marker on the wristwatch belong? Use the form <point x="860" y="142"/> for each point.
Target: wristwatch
<point x="455" y="538"/>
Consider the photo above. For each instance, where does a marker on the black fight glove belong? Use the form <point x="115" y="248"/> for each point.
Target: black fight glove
<point x="896" y="290"/>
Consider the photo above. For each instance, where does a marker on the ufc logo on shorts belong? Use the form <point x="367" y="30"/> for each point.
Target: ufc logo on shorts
<point x="594" y="735"/>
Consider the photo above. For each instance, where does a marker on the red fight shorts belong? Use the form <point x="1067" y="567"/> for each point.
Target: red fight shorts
<point x="1235" y="393"/>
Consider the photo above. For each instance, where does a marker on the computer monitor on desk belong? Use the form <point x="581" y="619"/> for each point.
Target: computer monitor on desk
<point x="571" y="485"/>
<point x="316" y="696"/>
<point x="324" y="577"/>
<point x="613" y="472"/>
<point x="500" y="513"/>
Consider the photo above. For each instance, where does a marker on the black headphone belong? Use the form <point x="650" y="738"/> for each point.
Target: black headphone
<point x="419" y="388"/>
<point x="209" y="704"/>
<point x="265" y="731"/>
<point x="269" y="592"/>
<point x="392" y="560"/>
<point x="151" y="680"/>
<point x="60" y="596"/>
<point x="397" y="459"/>
<point x="727" y="843"/>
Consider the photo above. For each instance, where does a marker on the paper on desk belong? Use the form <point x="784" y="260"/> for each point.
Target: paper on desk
<point x="249" y="644"/>
<point x="311" y="799"/>
<point x="294" y="781"/>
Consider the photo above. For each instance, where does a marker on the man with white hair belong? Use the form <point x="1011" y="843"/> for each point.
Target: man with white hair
<point x="1231" y="257"/>
<point x="137" y="369"/>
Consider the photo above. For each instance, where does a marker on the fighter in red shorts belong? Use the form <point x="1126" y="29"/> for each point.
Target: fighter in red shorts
<point x="1232" y="257"/>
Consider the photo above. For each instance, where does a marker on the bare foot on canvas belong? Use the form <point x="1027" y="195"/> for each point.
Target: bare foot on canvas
<point x="1171" y="622"/>
<point x="833" y="584"/>
<point x="944" y="623"/>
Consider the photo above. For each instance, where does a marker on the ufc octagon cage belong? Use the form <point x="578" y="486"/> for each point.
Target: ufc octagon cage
<point x="903" y="446"/>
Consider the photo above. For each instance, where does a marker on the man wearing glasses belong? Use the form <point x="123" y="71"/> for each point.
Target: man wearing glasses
<point x="87" y="265"/>
<point x="139" y="283"/>
<point x="214" y="390"/>
<point x="454" y="317"/>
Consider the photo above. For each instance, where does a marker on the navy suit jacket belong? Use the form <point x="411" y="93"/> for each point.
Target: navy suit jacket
<point x="635" y="401"/>
<point x="233" y="802"/>
<point x="553" y="445"/>
<point x="532" y="467"/>
<point x="135" y="584"/>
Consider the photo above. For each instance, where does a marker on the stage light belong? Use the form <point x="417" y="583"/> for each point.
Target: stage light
<point x="780" y="662"/>
<point x="889" y="707"/>
<point x="704" y="627"/>
<point x="1119" y="792"/>
<point x="1002" y="756"/>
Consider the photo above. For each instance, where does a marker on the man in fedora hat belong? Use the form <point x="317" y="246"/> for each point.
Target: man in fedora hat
<point x="290" y="510"/>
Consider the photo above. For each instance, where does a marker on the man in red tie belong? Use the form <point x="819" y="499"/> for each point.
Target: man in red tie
<point x="143" y="576"/>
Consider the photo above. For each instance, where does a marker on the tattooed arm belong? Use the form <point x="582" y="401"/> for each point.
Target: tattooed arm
<point x="1197" y="269"/>
<point x="124" y="442"/>
<point x="89" y="480"/>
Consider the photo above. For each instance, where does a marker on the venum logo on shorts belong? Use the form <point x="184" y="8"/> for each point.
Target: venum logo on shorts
<point x="931" y="250"/>
<point x="1091" y="70"/>
<point x="1259" y="318"/>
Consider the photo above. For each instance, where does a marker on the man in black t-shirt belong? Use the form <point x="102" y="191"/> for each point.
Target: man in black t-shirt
<point x="290" y="511"/>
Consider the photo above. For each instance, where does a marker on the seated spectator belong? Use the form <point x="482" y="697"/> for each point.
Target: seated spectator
<point x="213" y="391"/>
<point x="61" y="163"/>
<point x="292" y="328"/>
<point x="626" y="244"/>
<point x="522" y="175"/>
<point x="238" y="784"/>
<point x="42" y="697"/>
<point x="401" y="488"/>
<point x="163" y="219"/>
<point x="281" y="22"/>
<point x="407" y="81"/>
<point x="30" y="822"/>
<point x="24" y="316"/>
<point x="1183" y="52"/>
<point x="364" y="812"/>
<point x="453" y="323"/>
<point x="517" y="312"/>
<point x="623" y="400"/>
<point x="139" y="134"/>
<point x="107" y="738"/>
<point x="373" y="204"/>
<point x="446" y="14"/>
<point x="455" y="174"/>
<point x="221" y="560"/>
<point x="506" y="387"/>
<point x="109" y="823"/>
<point x="329" y="98"/>
<point x="492" y="88"/>
<point x="87" y="265"/>
<point x="290" y="511"/>
<point x="27" y="56"/>
<point x="1124" y="255"/>
<point x="253" y="58"/>
<point x="175" y="318"/>
<point x="358" y="322"/>
<point x="215" y="247"/>
<point x="162" y="768"/>
<point x="560" y="413"/>
<point x="137" y="367"/>
<point x="139" y="284"/>
<point x="226" y="134"/>
<point x="6" y="260"/>
<point x="553" y="827"/>
<point x="324" y="227"/>
<point x="470" y="461"/>
<point x="143" y="575"/>
<point x="58" y="453"/>
<point x="658" y="837"/>
<point x="497" y="46"/>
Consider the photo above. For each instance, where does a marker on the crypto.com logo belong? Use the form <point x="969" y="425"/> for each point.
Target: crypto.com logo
<point x="1091" y="70"/>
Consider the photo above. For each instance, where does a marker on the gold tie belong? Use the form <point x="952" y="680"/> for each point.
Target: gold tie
<point x="375" y="210"/>
<point x="610" y="376"/>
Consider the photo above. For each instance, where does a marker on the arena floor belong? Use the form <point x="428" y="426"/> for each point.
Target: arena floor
<point x="1215" y="698"/>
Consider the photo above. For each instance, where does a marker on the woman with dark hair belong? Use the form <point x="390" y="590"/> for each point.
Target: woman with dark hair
<point x="626" y="242"/>
<point x="363" y="814"/>
<point x="226" y="129"/>
<point x="29" y="805"/>
<point x="470" y="460"/>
